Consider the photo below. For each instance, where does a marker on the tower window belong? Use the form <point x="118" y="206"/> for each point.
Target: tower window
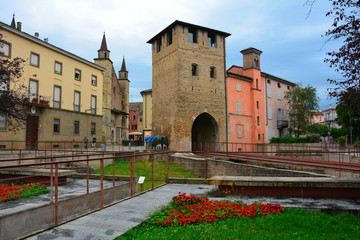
<point x="212" y="72"/>
<point x="211" y="40"/>
<point x="194" y="69"/>
<point x="159" y="45"/>
<point x="169" y="37"/>
<point x="192" y="35"/>
<point x="256" y="63"/>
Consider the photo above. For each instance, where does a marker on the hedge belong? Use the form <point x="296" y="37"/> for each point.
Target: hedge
<point x="310" y="139"/>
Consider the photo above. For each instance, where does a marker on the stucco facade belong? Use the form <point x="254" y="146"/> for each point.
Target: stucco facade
<point x="257" y="108"/>
<point x="64" y="92"/>
<point x="147" y="112"/>
<point x="188" y="85"/>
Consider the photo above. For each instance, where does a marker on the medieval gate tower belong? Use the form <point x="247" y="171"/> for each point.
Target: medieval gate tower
<point x="188" y="86"/>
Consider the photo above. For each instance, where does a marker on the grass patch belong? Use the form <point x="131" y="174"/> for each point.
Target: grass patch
<point x="144" y="168"/>
<point x="292" y="223"/>
<point x="13" y="192"/>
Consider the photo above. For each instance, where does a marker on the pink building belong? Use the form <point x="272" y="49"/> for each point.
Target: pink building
<point x="257" y="109"/>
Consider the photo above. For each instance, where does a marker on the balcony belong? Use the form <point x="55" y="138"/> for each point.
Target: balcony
<point x="282" y="124"/>
<point x="37" y="100"/>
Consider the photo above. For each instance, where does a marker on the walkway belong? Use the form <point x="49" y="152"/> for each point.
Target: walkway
<point x="115" y="220"/>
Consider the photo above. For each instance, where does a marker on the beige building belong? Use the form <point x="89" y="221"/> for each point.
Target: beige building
<point x="115" y="99"/>
<point x="188" y="86"/>
<point x="277" y="106"/>
<point x="147" y="112"/>
<point x="64" y="97"/>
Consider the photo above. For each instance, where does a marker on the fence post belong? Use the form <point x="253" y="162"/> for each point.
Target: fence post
<point x="56" y="206"/>
<point x="87" y="175"/>
<point x="167" y="166"/>
<point x="132" y="165"/>
<point x="113" y="169"/>
<point x="102" y="182"/>
<point x="152" y="170"/>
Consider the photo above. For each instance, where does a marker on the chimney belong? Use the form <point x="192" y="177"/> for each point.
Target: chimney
<point x="18" y="27"/>
<point x="37" y="34"/>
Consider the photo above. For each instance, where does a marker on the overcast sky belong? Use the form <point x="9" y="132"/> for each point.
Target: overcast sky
<point x="292" y="46"/>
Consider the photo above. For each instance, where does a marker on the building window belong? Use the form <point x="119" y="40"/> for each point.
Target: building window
<point x="134" y="127"/>
<point x="134" y="117"/>
<point x="76" y="127"/>
<point x="2" y="122"/>
<point x="211" y="40"/>
<point x="240" y="131"/>
<point x="212" y="72"/>
<point x="33" y="90"/>
<point x="58" y="67"/>
<point x="257" y="84"/>
<point x="56" y="125"/>
<point x="93" y="129"/>
<point x="256" y="63"/>
<point x="5" y="49"/>
<point x="258" y="120"/>
<point x="159" y="45"/>
<point x="57" y="97"/>
<point x="192" y="35"/>
<point x="259" y="137"/>
<point x="268" y="90"/>
<point x="238" y="87"/>
<point x="268" y="81"/>
<point x="288" y="87"/>
<point x="194" y="69"/>
<point x="269" y="112"/>
<point x="238" y="107"/>
<point x="93" y="104"/>
<point x="77" y="101"/>
<point x="77" y="74"/>
<point x="169" y="37"/>
<point x="140" y="119"/>
<point x="279" y="94"/>
<point x="34" y="59"/>
<point x="257" y="104"/>
<point x="93" y="80"/>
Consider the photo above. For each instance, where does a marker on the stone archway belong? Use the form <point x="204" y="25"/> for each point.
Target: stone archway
<point x="204" y="133"/>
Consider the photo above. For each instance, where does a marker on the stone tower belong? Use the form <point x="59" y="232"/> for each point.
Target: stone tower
<point x="115" y="98"/>
<point x="188" y="86"/>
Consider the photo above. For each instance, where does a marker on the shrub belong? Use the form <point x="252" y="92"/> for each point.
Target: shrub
<point x="357" y="143"/>
<point x="341" y="140"/>
<point x="309" y="139"/>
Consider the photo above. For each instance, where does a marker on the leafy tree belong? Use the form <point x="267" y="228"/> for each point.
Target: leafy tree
<point x="302" y="103"/>
<point x="346" y="60"/>
<point x="349" y="117"/>
<point x="318" y="128"/>
<point x="12" y="91"/>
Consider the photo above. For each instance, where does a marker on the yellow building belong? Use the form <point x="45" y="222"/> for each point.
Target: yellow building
<point x="64" y="97"/>
<point x="147" y="112"/>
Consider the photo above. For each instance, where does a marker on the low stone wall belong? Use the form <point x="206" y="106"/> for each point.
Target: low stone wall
<point x="27" y="222"/>
<point x="206" y="168"/>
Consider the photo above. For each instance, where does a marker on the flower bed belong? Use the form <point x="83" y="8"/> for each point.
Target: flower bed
<point x="190" y="209"/>
<point x="12" y="192"/>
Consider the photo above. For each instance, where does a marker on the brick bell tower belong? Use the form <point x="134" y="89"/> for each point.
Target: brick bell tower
<point x="188" y="86"/>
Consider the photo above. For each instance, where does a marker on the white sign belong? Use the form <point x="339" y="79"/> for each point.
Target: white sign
<point x="141" y="180"/>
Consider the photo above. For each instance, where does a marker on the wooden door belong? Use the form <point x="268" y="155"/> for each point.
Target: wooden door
<point x="32" y="125"/>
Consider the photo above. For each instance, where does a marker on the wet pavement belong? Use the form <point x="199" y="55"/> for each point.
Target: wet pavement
<point x="115" y="220"/>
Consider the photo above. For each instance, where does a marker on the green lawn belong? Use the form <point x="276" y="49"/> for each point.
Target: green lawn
<point x="143" y="168"/>
<point x="292" y="224"/>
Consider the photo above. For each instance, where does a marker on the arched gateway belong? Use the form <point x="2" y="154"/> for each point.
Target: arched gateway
<point x="204" y="133"/>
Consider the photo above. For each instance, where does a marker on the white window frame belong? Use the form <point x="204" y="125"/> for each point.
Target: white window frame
<point x="77" y="74"/>
<point x="238" y="107"/>
<point x="58" y="68"/>
<point x="33" y="89"/>
<point x="5" y="49"/>
<point x="2" y="122"/>
<point x="34" y="59"/>
<point x="238" y="86"/>
<point x="77" y="97"/>
<point x="269" y="112"/>
<point x="57" y="97"/>
<point x="240" y="129"/>
<point x="93" y="80"/>
<point x="93" y="103"/>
